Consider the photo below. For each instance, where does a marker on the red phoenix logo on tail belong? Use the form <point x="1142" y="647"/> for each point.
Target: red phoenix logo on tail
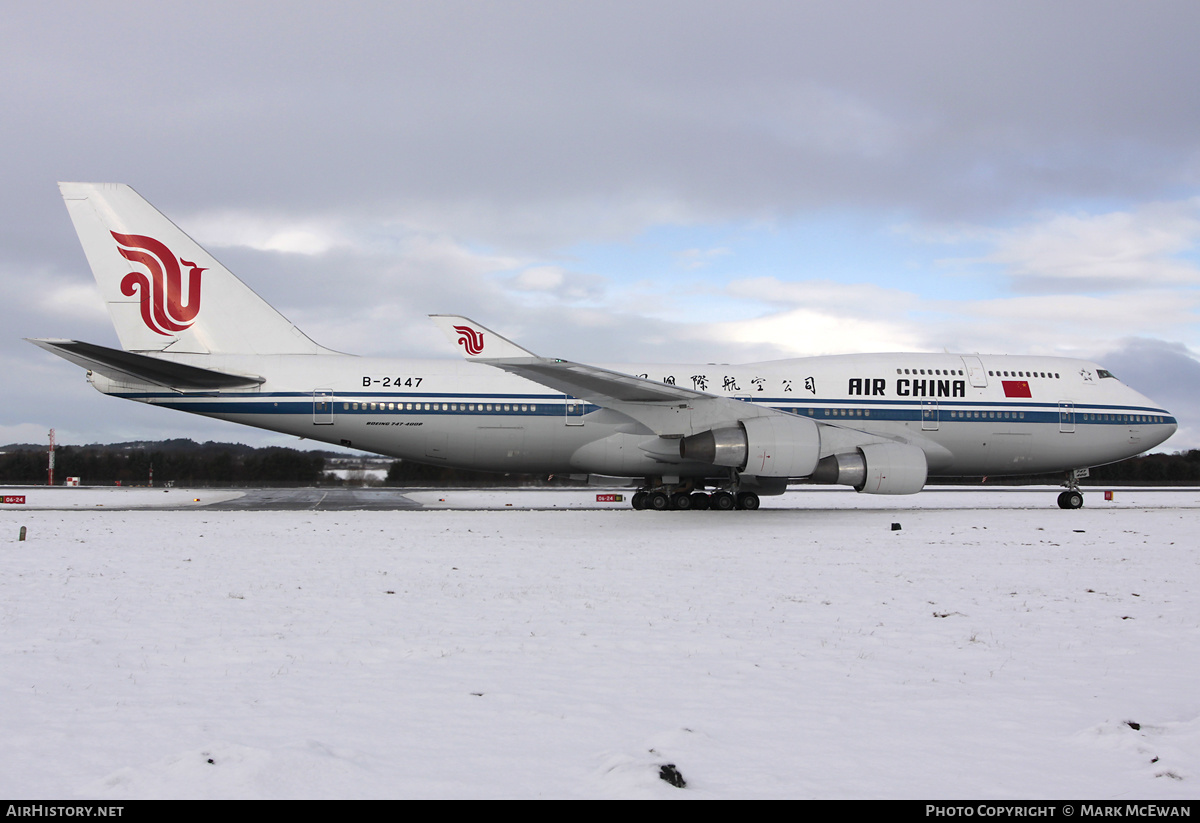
<point x="470" y="340"/>
<point x="160" y="293"/>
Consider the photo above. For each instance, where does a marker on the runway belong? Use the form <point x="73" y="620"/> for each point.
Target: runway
<point x="127" y="498"/>
<point x="318" y="499"/>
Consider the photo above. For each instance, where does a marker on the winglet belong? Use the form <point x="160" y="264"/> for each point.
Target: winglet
<point x="477" y="342"/>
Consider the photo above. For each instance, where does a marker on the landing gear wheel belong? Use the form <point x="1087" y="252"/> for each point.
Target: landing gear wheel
<point x="681" y="501"/>
<point x="1070" y="500"/>
<point x="722" y="501"/>
<point x="639" y="500"/>
<point x="747" y="501"/>
<point x="700" y="501"/>
<point x="658" y="501"/>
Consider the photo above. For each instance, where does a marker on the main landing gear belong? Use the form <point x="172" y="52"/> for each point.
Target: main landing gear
<point x="688" y="498"/>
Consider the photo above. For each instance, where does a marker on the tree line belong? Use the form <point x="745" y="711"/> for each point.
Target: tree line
<point x="181" y="462"/>
<point x="187" y="463"/>
<point x="1178" y="469"/>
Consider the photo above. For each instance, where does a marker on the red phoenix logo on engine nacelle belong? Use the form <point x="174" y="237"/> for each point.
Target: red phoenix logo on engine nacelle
<point x="470" y="340"/>
<point x="160" y="293"/>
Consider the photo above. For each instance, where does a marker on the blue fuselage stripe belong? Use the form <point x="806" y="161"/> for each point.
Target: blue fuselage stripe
<point x="552" y="405"/>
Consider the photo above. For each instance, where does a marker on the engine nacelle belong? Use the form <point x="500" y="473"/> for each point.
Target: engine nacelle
<point x="760" y="446"/>
<point x="876" y="468"/>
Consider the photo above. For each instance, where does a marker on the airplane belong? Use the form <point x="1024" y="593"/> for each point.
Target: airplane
<point x="196" y="339"/>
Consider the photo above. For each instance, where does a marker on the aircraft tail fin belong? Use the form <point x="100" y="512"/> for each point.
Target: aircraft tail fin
<point x="163" y="291"/>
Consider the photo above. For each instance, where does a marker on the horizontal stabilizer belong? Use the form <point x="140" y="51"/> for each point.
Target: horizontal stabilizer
<point x="127" y="367"/>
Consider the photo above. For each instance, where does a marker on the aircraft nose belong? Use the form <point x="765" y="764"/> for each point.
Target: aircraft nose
<point x="1164" y="423"/>
<point x="1163" y="431"/>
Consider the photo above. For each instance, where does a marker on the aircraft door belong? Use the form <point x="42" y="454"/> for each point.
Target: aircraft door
<point x="322" y="407"/>
<point x="929" y="415"/>
<point x="975" y="371"/>
<point x="1066" y="417"/>
<point x="573" y="410"/>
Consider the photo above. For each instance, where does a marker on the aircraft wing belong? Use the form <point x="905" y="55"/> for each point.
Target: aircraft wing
<point x="595" y="384"/>
<point x="128" y="367"/>
<point x="591" y="383"/>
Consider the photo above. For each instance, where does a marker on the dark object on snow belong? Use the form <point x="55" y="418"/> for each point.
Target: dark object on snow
<point x="1135" y="726"/>
<point x="895" y="527"/>
<point x="669" y="773"/>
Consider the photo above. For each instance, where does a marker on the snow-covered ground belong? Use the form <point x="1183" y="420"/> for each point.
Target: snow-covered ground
<point x="123" y="497"/>
<point x="992" y="647"/>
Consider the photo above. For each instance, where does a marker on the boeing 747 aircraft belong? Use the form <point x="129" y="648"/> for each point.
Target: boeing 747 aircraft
<point x="197" y="339"/>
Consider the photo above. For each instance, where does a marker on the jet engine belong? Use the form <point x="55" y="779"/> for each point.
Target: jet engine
<point x="759" y="446"/>
<point x="876" y="468"/>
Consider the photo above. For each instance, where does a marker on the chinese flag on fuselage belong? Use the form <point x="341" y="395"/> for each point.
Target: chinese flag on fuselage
<point x="1016" y="388"/>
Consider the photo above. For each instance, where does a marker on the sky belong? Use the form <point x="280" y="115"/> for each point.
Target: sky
<point x="620" y="182"/>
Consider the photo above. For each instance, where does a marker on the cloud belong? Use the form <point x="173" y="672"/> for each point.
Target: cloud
<point x="540" y="278"/>
<point x="68" y="300"/>
<point x="761" y="108"/>
<point x="821" y="317"/>
<point x="1064" y="324"/>
<point x="803" y="332"/>
<point x="701" y="258"/>
<point x="819" y="119"/>
<point x="857" y="298"/>
<point x="1067" y="283"/>
<point x="1113" y="251"/>
<point x="279" y="233"/>
<point x="1152" y="245"/>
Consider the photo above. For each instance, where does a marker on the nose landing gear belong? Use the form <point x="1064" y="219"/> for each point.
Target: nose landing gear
<point x="1072" y="498"/>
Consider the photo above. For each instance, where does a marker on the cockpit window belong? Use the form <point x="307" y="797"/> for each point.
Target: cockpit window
<point x="1105" y="373"/>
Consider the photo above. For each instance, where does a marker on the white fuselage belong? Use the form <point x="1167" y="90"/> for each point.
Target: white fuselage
<point x="971" y="415"/>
